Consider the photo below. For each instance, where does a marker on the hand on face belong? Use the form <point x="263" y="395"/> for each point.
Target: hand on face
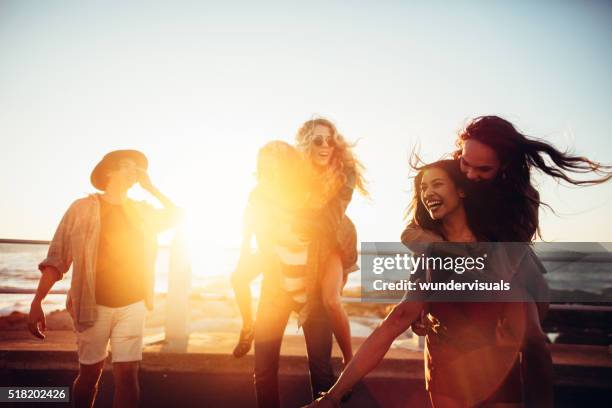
<point x="144" y="180"/>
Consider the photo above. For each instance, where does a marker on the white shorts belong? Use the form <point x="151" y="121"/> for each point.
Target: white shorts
<point x="123" y="326"/>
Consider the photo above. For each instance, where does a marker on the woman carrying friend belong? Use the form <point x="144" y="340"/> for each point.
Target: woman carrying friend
<point x="454" y="379"/>
<point x="291" y="230"/>
<point x="281" y="256"/>
<point x="284" y="185"/>
<point x="331" y="173"/>
<point x="499" y="159"/>
<point x="270" y="163"/>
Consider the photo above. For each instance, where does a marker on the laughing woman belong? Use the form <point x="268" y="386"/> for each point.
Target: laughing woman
<point x="337" y="173"/>
<point x="465" y="365"/>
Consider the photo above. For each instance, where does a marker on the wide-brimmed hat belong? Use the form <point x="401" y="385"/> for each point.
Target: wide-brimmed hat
<point x="99" y="176"/>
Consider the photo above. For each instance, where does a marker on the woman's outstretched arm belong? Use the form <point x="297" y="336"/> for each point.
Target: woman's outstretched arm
<point x="373" y="350"/>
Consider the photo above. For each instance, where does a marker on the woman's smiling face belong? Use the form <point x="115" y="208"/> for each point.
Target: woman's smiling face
<point x="439" y="194"/>
<point x="322" y="145"/>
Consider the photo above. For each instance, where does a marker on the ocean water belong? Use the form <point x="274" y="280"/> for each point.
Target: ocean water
<point x="211" y="271"/>
<point x="19" y="271"/>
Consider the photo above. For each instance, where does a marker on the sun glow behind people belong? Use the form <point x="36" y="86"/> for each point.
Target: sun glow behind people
<point x="200" y="87"/>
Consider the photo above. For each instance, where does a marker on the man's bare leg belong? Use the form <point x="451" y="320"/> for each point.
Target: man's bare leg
<point x="127" y="388"/>
<point x="85" y="386"/>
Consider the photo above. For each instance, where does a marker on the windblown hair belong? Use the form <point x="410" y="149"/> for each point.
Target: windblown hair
<point x="341" y="163"/>
<point x="417" y="212"/>
<point x="518" y="154"/>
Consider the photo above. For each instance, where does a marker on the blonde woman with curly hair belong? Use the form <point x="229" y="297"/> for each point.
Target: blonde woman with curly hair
<point x="332" y="236"/>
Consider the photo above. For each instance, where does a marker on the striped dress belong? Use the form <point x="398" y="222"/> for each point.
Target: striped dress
<point x="292" y="254"/>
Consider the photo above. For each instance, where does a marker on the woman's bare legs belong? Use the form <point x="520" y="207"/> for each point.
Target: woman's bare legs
<point x="332" y="283"/>
<point x="242" y="292"/>
<point x="247" y="270"/>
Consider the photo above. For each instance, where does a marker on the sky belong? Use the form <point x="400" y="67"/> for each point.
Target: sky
<point x="200" y="86"/>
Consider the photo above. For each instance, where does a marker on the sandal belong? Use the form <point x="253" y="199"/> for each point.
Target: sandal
<point x="244" y="343"/>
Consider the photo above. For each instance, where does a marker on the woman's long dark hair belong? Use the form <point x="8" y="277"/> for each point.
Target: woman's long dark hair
<point x="417" y="212"/>
<point x="518" y="154"/>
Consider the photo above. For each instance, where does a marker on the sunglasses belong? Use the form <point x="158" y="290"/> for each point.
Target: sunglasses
<point x="318" y="141"/>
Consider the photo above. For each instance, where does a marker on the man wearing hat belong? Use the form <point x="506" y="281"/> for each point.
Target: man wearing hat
<point x="110" y="241"/>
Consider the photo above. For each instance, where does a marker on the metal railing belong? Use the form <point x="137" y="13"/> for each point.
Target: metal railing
<point x="179" y="283"/>
<point x="176" y="326"/>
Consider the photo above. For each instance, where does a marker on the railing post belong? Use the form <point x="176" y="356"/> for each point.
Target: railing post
<point x="179" y="291"/>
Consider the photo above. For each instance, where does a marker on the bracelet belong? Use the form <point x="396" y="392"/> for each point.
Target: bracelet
<point x="326" y="396"/>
